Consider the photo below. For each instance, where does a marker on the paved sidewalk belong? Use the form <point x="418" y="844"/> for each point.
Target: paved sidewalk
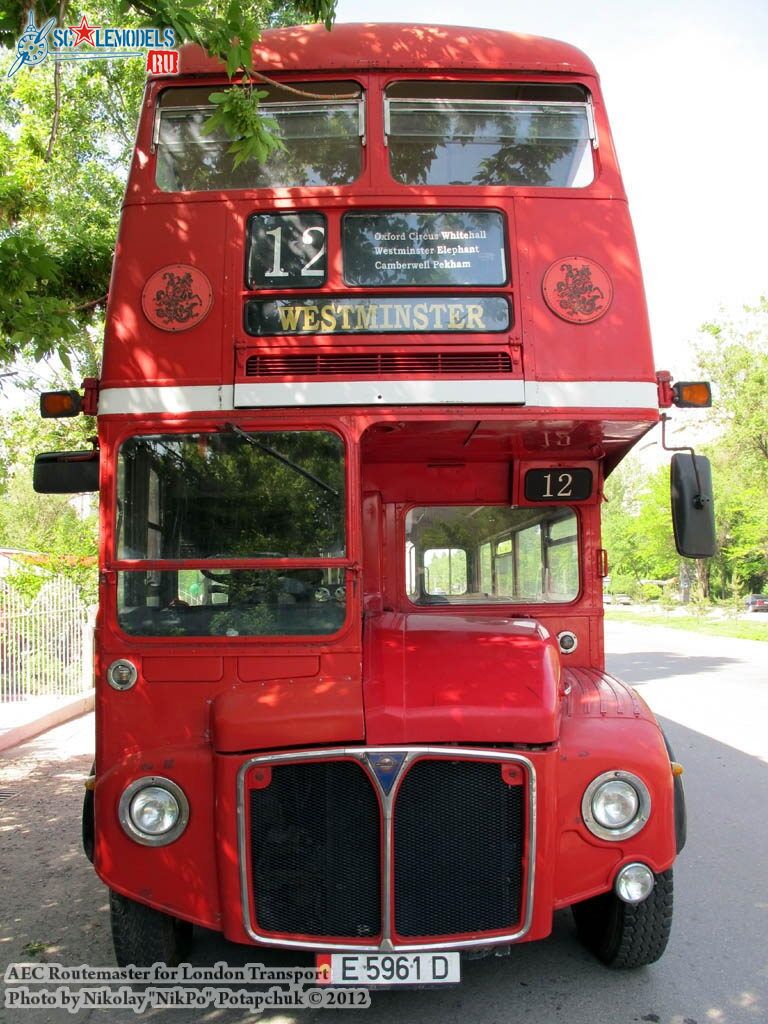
<point x="23" y="719"/>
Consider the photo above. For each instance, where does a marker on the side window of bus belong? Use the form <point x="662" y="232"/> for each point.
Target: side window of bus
<point x="321" y="137"/>
<point x="530" y="563"/>
<point x="445" y="572"/>
<point x="562" y="571"/>
<point x="476" y="133"/>
<point x="487" y="554"/>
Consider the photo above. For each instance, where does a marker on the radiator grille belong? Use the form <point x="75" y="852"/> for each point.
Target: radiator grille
<point x="458" y="849"/>
<point x="377" y="364"/>
<point x="315" y="851"/>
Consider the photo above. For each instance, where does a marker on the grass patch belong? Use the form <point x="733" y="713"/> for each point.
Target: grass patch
<point x="34" y="948"/>
<point x="712" y="627"/>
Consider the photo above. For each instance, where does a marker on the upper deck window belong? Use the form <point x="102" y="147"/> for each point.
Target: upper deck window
<point x="452" y="133"/>
<point x="322" y="141"/>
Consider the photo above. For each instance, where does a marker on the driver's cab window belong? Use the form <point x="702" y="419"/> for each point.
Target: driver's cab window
<point x="232" y="495"/>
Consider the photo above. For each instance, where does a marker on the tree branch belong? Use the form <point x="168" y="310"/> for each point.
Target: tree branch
<point x="56" y="91"/>
<point x="300" y="92"/>
<point x="93" y="303"/>
<point x="117" y="115"/>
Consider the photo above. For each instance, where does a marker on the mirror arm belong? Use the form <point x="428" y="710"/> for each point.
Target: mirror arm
<point x="698" y="501"/>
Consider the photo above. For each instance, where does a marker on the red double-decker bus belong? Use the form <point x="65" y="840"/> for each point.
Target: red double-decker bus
<point x="357" y="406"/>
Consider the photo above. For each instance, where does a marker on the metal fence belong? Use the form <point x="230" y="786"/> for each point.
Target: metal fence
<point x="46" y="646"/>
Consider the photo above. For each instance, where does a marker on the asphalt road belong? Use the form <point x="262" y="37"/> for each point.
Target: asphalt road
<point x="713" y="696"/>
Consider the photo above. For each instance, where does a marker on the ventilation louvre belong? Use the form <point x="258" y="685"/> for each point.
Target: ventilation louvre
<point x="378" y="364"/>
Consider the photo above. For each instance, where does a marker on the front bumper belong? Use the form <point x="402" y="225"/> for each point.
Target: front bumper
<point x="403" y="864"/>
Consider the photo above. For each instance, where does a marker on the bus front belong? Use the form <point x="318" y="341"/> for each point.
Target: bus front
<point x="357" y="405"/>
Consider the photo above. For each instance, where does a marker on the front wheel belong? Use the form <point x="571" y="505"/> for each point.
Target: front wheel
<point x="144" y="936"/>
<point x="624" y="934"/>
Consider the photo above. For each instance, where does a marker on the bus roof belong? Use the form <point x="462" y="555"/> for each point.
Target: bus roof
<point x="405" y="47"/>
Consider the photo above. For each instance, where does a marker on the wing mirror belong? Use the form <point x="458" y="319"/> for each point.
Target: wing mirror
<point x="66" y="472"/>
<point x="693" y="508"/>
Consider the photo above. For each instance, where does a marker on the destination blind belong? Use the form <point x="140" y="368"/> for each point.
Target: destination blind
<point x="459" y="248"/>
<point x="377" y="315"/>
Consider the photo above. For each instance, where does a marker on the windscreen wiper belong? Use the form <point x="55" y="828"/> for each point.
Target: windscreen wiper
<point x="251" y="439"/>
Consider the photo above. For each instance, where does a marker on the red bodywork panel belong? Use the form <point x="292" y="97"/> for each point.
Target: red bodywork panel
<point x="401" y="46"/>
<point x="543" y="225"/>
<point x="448" y="678"/>
<point x="318" y="708"/>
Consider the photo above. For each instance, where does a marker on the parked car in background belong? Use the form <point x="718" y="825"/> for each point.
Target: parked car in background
<point x="756" y="603"/>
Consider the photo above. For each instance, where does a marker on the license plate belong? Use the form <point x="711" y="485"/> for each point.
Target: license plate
<point x="390" y="968"/>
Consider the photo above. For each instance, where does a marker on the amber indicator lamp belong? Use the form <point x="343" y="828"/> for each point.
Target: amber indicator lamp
<point x="57" y="404"/>
<point x="692" y="394"/>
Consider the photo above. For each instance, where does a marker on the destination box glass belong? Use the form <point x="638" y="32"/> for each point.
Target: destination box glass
<point x="377" y="315"/>
<point x="286" y="250"/>
<point x="458" y="248"/>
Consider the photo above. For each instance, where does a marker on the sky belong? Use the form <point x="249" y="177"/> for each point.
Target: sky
<point x="684" y="86"/>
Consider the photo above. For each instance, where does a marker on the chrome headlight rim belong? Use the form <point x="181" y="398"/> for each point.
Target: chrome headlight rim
<point x="567" y="641"/>
<point x="631" y="828"/>
<point x="133" y="831"/>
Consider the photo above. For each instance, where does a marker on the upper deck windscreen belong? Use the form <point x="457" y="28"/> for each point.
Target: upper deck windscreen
<point x="320" y="140"/>
<point x="451" y="133"/>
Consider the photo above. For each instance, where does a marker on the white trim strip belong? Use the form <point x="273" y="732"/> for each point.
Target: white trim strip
<point x="593" y="394"/>
<point x="532" y="394"/>
<point x="167" y="398"/>
<point x="381" y="392"/>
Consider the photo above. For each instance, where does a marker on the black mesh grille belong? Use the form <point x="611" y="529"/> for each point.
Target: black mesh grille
<point x="315" y="851"/>
<point x="459" y="831"/>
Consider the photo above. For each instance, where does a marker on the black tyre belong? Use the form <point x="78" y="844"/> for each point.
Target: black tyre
<point x="144" y="936"/>
<point x="88" y="823"/>
<point x="623" y="935"/>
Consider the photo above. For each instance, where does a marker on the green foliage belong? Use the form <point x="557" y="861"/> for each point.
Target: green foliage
<point x="621" y="583"/>
<point x="66" y="134"/>
<point x="237" y="113"/>
<point x="735" y="356"/>
<point x="66" y="137"/>
<point x="448" y="573"/>
<point x="637" y="525"/>
<point x="699" y="624"/>
<point x="256" y="621"/>
<point x="64" y="529"/>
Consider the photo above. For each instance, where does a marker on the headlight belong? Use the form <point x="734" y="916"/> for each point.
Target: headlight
<point x="616" y="805"/>
<point x="153" y="811"/>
